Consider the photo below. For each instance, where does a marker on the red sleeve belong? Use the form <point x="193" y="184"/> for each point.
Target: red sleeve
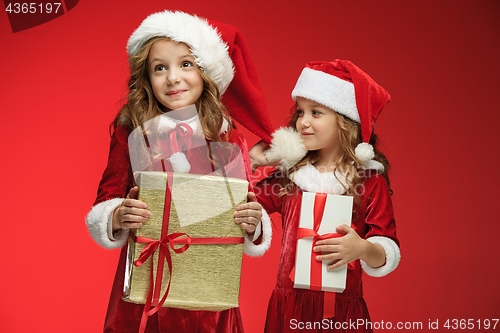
<point x="379" y="214"/>
<point x="268" y="192"/>
<point x="116" y="180"/>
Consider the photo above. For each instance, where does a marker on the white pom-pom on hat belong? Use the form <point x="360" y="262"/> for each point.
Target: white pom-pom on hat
<point x="286" y="147"/>
<point x="364" y="152"/>
<point x="179" y="162"/>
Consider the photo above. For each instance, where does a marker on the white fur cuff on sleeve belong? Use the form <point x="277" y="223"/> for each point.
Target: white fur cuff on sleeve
<point x="252" y="250"/>
<point x="97" y="223"/>
<point x="392" y="257"/>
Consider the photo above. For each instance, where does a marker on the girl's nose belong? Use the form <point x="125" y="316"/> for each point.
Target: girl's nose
<point x="173" y="76"/>
<point x="303" y="122"/>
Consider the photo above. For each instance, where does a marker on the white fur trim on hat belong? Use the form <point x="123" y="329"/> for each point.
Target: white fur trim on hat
<point x="208" y="49"/>
<point x="287" y="147"/>
<point x="328" y="90"/>
<point x="97" y="222"/>
<point x="253" y="250"/>
<point x="392" y="257"/>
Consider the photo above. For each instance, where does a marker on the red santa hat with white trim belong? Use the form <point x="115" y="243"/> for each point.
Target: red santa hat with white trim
<point x="342" y="86"/>
<point x="221" y="52"/>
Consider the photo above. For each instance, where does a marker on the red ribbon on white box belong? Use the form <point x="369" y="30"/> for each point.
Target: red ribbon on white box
<point x="317" y="268"/>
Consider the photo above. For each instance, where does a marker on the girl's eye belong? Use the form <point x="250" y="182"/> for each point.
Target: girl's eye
<point x="314" y="112"/>
<point x="300" y="112"/>
<point x="186" y="64"/>
<point x="159" y="68"/>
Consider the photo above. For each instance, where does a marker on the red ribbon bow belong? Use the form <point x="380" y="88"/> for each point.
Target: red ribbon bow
<point x="164" y="254"/>
<point x="180" y="136"/>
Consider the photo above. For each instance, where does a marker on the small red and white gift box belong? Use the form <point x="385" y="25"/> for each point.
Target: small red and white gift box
<point x="320" y="214"/>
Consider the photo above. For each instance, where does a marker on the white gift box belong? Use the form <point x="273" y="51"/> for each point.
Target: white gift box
<point x="337" y="211"/>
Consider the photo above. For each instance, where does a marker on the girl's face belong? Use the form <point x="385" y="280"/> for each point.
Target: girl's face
<point x="317" y="126"/>
<point x="173" y="75"/>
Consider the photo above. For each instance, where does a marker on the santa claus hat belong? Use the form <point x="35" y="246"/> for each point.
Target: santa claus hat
<point x="221" y="52"/>
<point x="342" y="86"/>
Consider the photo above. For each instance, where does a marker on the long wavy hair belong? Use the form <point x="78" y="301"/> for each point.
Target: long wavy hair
<point x="347" y="163"/>
<point x="141" y="104"/>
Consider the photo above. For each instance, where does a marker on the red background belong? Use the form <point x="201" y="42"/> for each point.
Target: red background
<point x="60" y="87"/>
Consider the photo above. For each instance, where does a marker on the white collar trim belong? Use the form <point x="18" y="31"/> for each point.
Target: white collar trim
<point x="168" y="123"/>
<point x="309" y="179"/>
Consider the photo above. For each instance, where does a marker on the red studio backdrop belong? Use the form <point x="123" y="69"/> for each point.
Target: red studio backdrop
<point x="61" y="86"/>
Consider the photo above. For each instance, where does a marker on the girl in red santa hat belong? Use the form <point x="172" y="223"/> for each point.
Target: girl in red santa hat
<point x="329" y="148"/>
<point x="180" y="66"/>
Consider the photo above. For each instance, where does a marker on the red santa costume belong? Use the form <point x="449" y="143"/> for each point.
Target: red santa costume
<point x="301" y="310"/>
<point x="220" y="50"/>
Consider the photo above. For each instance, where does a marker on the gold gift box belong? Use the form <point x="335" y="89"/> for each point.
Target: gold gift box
<point x="205" y="276"/>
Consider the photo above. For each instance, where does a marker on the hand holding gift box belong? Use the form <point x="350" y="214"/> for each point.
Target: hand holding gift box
<point x="188" y="254"/>
<point x="320" y="215"/>
<point x="203" y="244"/>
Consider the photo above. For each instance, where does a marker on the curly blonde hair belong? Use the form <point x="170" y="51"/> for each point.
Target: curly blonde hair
<point x="347" y="163"/>
<point x="141" y="104"/>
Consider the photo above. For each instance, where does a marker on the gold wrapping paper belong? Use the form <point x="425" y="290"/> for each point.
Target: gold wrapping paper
<point x="206" y="276"/>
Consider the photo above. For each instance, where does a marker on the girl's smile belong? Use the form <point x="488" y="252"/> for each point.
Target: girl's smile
<point x="173" y="75"/>
<point x="175" y="92"/>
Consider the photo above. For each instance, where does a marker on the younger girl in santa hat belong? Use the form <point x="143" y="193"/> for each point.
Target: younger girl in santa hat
<point x="179" y="62"/>
<point x="329" y="148"/>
